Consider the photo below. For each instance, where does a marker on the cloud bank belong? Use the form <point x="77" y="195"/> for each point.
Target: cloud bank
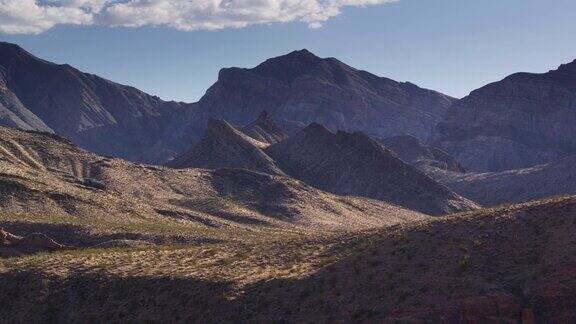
<point x="36" y="16"/>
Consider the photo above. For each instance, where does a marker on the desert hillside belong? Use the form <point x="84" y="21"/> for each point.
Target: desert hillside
<point x="47" y="184"/>
<point x="511" y="264"/>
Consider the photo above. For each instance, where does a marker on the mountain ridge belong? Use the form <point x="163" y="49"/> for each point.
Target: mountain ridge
<point x="296" y="89"/>
<point x="355" y="164"/>
<point x="524" y="120"/>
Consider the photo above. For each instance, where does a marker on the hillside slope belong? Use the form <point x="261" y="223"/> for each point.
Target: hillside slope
<point x="493" y="188"/>
<point x="524" y="120"/>
<point x="265" y="129"/>
<point x="415" y="152"/>
<point x="354" y="164"/>
<point x="506" y="265"/>
<point x="45" y="179"/>
<point x="96" y="114"/>
<point x="223" y="146"/>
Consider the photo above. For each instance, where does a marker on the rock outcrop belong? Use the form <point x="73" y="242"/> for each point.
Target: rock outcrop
<point x="13" y="245"/>
<point x="524" y="120"/>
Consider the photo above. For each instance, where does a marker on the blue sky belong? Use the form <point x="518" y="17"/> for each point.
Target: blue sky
<point x="452" y="46"/>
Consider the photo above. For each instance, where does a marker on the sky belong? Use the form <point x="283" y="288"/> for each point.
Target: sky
<point x="174" y="49"/>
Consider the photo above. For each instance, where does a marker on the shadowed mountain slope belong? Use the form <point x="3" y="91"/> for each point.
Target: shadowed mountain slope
<point x="354" y="164"/>
<point x="225" y="147"/>
<point x="513" y="186"/>
<point x="524" y="120"/>
<point x="304" y="88"/>
<point x="96" y="114"/>
<point x="413" y="151"/>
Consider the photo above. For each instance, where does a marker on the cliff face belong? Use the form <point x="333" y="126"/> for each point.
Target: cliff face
<point x="304" y="88"/>
<point x="524" y="120"/>
<point x="297" y="89"/>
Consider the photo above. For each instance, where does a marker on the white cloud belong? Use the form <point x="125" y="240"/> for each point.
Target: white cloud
<point x="30" y="16"/>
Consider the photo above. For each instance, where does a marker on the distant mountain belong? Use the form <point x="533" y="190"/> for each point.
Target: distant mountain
<point x="297" y="89"/>
<point x="524" y="120"/>
<point x="225" y="147"/>
<point x="304" y="88"/>
<point x="423" y="156"/>
<point x="97" y="114"/>
<point x="354" y="164"/>
<point x="265" y="129"/>
<point x="556" y="178"/>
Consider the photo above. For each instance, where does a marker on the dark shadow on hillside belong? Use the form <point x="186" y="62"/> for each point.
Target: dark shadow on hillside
<point x="100" y="298"/>
<point x="78" y="236"/>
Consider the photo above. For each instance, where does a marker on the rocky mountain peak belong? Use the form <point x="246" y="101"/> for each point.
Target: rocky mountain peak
<point x="11" y="52"/>
<point x="265" y="129"/>
<point x="568" y="67"/>
<point x="315" y="129"/>
<point x="290" y="66"/>
<point x="303" y="56"/>
<point x="223" y="146"/>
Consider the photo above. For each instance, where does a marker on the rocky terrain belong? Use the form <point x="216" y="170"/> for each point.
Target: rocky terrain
<point x="423" y="156"/>
<point x="14" y="245"/>
<point x="524" y="120"/>
<point x="259" y="213"/>
<point x="354" y="164"/>
<point x="121" y="121"/>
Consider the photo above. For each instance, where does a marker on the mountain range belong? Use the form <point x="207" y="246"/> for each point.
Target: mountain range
<point x="298" y="190"/>
<point x="342" y="163"/>
<point x="297" y="89"/>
